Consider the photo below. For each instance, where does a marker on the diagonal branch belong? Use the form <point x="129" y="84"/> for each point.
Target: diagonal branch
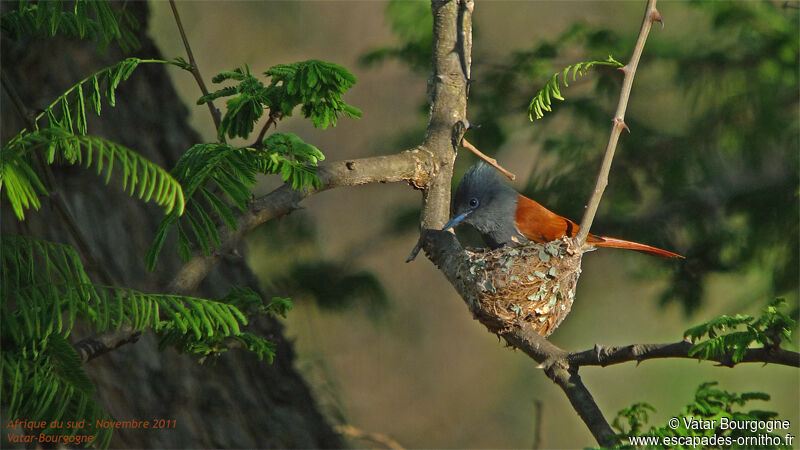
<point x="489" y="160"/>
<point x="553" y="360"/>
<point x="618" y="123"/>
<point x="412" y="166"/>
<point x="102" y="343"/>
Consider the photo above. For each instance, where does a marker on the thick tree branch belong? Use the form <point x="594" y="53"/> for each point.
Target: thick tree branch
<point x="618" y="123"/>
<point x="606" y="356"/>
<point x="452" y="29"/>
<point x="412" y="166"/>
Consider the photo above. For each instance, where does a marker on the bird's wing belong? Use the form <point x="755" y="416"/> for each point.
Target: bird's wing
<point x="539" y="224"/>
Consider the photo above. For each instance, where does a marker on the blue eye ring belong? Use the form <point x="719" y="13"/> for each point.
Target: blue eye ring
<point x="473" y="203"/>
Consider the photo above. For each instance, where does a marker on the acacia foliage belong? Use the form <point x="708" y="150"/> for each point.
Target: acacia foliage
<point x="46" y="290"/>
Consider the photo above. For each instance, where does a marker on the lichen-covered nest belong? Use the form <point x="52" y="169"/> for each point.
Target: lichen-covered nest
<point x="535" y="284"/>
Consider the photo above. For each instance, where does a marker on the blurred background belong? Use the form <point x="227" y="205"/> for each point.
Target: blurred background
<point x="709" y="170"/>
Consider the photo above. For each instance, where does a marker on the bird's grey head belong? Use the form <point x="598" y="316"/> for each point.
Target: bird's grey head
<point x="487" y="203"/>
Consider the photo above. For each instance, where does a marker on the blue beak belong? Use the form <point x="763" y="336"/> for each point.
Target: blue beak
<point x="456" y="220"/>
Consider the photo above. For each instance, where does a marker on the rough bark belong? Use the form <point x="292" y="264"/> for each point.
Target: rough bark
<point x="237" y="402"/>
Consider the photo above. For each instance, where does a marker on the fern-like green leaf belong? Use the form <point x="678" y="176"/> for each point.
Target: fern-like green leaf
<point x="280" y="306"/>
<point x="542" y="102"/>
<point x="25" y="261"/>
<point x="153" y="182"/>
<point x="68" y="364"/>
<point x="106" y="307"/>
<point x="22" y="185"/>
<point x="316" y="85"/>
<point x="771" y="328"/>
<point x="258" y="345"/>
<point x="88" y="19"/>
<point x="231" y="170"/>
<point x="68" y="111"/>
<point x="245" y="108"/>
<point x="716" y="325"/>
<point x="36" y="390"/>
<point x="45" y="290"/>
<point x="205" y="170"/>
<point x="710" y="404"/>
<point x="293" y="158"/>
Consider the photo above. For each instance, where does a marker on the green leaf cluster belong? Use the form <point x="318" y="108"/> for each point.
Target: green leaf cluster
<point x="541" y="101"/>
<point x="316" y="86"/>
<point x="95" y="20"/>
<point x="772" y="328"/>
<point x="48" y="388"/>
<point x="217" y="177"/>
<point x="64" y="139"/>
<point x="710" y="403"/>
<point x="140" y="177"/>
<point x="46" y="290"/>
<point x="248" y="303"/>
<point x="68" y="111"/>
<point x="295" y="160"/>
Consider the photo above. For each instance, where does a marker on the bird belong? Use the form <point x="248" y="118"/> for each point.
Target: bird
<point x="504" y="217"/>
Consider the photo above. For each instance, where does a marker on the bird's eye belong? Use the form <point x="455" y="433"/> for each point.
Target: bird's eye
<point x="473" y="203"/>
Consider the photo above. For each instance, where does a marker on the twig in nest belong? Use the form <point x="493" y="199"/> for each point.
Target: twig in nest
<point x="489" y="160"/>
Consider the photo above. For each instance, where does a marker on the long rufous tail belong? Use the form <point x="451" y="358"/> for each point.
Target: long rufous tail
<point x="605" y="241"/>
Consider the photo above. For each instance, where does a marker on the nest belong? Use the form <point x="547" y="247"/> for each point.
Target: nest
<point x="534" y="284"/>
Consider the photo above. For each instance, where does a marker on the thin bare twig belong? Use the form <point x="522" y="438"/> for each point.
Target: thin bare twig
<point x="537" y="424"/>
<point x="489" y="160"/>
<point x="270" y="121"/>
<point x="215" y="114"/>
<point x="377" y="438"/>
<point x="618" y="123"/>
